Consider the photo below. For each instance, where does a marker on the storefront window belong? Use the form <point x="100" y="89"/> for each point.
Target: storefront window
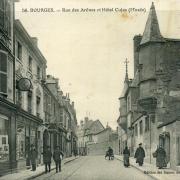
<point x="4" y="144"/>
<point x="20" y="141"/>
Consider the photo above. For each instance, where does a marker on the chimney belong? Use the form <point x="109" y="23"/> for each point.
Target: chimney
<point x="73" y="104"/>
<point x="35" y="40"/>
<point x="81" y="122"/>
<point x="61" y="93"/>
<point x="68" y="97"/>
<point x="86" y="119"/>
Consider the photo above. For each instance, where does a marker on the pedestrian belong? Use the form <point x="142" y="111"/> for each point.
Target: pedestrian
<point x="140" y="155"/>
<point x="107" y="154"/>
<point x="126" y="154"/>
<point x="57" y="156"/>
<point x="160" y="155"/>
<point x="47" y="159"/>
<point x="110" y="153"/>
<point x="75" y="152"/>
<point x="33" y="156"/>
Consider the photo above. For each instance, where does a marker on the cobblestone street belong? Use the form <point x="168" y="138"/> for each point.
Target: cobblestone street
<point x="95" y="168"/>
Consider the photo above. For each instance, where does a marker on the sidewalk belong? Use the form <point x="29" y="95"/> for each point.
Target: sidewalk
<point x="152" y="171"/>
<point x="28" y="174"/>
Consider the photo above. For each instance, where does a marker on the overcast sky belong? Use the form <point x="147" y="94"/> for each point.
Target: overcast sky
<point x="86" y="51"/>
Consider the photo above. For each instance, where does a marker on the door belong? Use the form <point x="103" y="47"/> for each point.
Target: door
<point x="167" y="146"/>
<point x="164" y="141"/>
<point x="178" y="151"/>
<point x="27" y="150"/>
<point x="45" y="139"/>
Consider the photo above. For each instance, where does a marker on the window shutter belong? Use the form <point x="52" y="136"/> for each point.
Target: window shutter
<point x="3" y="72"/>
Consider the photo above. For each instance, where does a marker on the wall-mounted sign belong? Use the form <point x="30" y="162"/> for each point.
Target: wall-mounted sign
<point x="24" y="84"/>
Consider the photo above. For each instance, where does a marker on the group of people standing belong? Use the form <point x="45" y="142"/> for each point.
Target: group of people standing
<point x="47" y="156"/>
<point x="159" y="154"/>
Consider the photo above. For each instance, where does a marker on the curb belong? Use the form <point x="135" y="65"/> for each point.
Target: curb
<point x="42" y="173"/>
<point x="139" y="170"/>
<point x="71" y="160"/>
<point x="37" y="175"/>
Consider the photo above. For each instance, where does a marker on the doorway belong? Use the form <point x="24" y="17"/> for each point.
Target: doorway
<point x="178" y="151"/>
<point x="45" y="139"/>
<point x="164" y="141"/>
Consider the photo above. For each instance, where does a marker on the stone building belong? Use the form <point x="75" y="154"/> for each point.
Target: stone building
<point x="7" y="94"/>
<point x="33" y="111"/>
<point x="60" y="118"/>
<point x="81" y="142"/>
<point x="31" y="64"/>
<point x="150" y="102"/>
<point x="94" y="139"/>
<point x="85" y="132"/>
<point x="52" y="121"/>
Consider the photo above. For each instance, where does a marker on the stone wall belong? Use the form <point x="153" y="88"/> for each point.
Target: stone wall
<point x="101" y="148"/>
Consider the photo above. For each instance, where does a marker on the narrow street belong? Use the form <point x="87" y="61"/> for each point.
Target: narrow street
<point x="95" y="168"/>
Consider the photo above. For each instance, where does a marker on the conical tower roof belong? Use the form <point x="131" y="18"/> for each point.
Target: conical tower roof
<point x="152" y="32"/>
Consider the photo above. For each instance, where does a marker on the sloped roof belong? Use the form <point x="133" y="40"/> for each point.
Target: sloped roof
<point x="94" y="127"/>
<point x="152" y="32"/>
<point x="88" y="124"/>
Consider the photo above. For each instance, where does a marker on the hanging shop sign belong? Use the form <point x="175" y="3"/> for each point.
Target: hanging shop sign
<point x="24" y="84"/>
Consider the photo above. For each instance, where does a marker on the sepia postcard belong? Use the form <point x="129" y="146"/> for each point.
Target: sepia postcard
<point x="89" y="89"/>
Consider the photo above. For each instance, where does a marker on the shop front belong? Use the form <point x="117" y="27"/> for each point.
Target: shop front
<point x="27" y="135"/>
<point x="7" y="137"/>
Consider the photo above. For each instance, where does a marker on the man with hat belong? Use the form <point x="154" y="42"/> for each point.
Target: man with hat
<point x="139" y="155"/>
<point x="47" y="158"/>
<point x="57" y="156"/>
<point x="33" y="156"/>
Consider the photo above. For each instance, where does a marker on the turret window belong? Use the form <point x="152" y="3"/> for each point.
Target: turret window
<point x="141" y="127"/>
<point x="147" y="123"/>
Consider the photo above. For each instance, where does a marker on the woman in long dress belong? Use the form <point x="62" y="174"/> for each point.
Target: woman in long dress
<point x="126" y="154"/>
<point x="160" y="155"/>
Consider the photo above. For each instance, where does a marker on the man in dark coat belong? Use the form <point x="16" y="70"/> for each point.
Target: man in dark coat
<point x="160" y="155"/>
<point x="126" y="154"/>
<point x="110" y="153"/>
<point x="139" y="155"/>
<point x="57" y="156"/>
<point x="33" y="156"/>
<point x="47" y="159"/>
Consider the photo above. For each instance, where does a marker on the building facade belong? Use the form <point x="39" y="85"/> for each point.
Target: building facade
<point x="94" y="139"/>
<point x="30" y="64"/>
<point x="7" y="107"/>
<point x="31" y="111"/>
<point x="149" y="105"/>
<point x="60" y="118"/>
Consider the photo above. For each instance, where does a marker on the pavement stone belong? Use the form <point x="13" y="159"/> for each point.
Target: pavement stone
<point x="153" y="171"/>
<point x="28" y="174"/>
